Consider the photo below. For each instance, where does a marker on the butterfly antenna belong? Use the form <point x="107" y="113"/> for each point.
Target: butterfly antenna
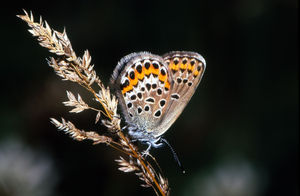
<point x="174" y="154"/>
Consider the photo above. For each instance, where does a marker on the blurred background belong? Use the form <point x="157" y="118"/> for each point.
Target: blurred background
<point x="238" y="136"/>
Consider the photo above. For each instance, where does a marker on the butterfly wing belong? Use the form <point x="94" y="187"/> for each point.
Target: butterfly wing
<point x="142" y="82"/>
<point x="186" y="70"/>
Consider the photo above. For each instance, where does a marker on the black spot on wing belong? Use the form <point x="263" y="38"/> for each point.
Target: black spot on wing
<point x="175" y="96"/>
<point x="150" y="100"/>
<point x="147" y="108"/>
<point x="133" y="97"/>
<point x="159" y="91"/>
<point x="139" y="95"/>
<point x="132" y="75"/>
<point x="139" y="68"/>
<point x="147" y="65"/>
<point x="162" y="103"/>
<point x="148" y="86"/>
<point x="179" y="80"/>
<point x="157" y="113"/>
<point x="139" y="110"/>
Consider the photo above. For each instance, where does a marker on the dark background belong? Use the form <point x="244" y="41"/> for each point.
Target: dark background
<point x="237" y="136"/>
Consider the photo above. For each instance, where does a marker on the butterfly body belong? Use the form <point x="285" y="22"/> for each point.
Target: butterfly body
<point x="153" y="90"/>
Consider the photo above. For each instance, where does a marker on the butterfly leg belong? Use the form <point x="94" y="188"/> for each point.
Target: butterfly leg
<point x="157" y="143"/>
<point x="153" y="142"/>
<point x="146" y="152"/>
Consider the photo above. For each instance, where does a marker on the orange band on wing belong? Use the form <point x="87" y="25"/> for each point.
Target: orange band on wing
<point x="174" y="67"/>
<point x="162" y="78"/>
<point x="196" y="73"/>
<point x="183" y="66"/>
<point x="167" y="84"/>
<point x="126" y="89"/>
<point x="155" y="71"/>
<point x="147" y="71"/>
<point x="134" y="81"/>
<point x="190" y="67"/>
<point x="141" y="75"/>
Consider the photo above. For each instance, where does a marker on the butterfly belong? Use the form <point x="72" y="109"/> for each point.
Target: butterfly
<point x="153" y="90"/>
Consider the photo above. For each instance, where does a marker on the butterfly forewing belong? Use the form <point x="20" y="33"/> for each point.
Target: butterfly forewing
<point x="186" y="70"/>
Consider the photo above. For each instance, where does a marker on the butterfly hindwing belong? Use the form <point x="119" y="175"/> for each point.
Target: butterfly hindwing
<point x="186" y="70"/>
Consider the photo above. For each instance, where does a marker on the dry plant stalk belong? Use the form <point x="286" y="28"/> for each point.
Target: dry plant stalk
<point x="69" y="67"/>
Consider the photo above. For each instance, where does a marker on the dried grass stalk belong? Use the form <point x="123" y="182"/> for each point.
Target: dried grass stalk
<point x="69" y="67"/>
